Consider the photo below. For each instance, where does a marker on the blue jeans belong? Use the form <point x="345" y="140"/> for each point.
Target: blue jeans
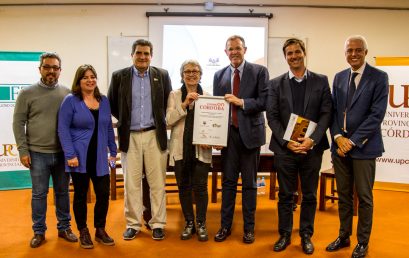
<point x="44" y="165"/>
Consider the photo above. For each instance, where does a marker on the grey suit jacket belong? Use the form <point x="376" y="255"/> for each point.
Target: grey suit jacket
<point x="253" y="90"/>
<point x="317" y="108"/>
<point x="120" y="98"/>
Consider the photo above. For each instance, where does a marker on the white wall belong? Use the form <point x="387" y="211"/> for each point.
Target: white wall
<point x="79" y="33"/>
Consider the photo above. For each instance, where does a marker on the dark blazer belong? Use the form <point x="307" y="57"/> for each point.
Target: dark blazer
<point x="317" y="108"/>
<point x="253" y="90"/>
<point x="120" y="98"/>
<point x="366" y="113"/>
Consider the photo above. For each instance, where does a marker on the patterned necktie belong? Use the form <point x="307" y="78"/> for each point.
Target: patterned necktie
<point x="351" y="90"/>
<point x="236" y="88"/>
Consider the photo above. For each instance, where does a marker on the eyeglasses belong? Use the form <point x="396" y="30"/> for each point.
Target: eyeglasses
<point x="189" y="72"/>
<point x="49" y="68"/>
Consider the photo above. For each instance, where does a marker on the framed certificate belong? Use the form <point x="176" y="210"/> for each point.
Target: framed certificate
<point x="211" y="121"/>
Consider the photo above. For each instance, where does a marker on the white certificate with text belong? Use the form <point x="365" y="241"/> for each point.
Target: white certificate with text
<point x="211" y="121"/>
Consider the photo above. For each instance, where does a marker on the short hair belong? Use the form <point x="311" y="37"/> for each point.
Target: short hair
<point x="79" y="74"/>
<point x="189" y="62"/>
<point x="356" y="37"/>
<point x="234" y="37"/>
<point x="49" y="55"/>
<point x="142" y="42"/>
<point x="294" y="41"/>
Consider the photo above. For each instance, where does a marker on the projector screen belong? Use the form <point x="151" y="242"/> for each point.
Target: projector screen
<point x="176" y="39"/>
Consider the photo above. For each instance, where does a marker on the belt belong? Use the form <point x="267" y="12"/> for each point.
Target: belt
<point x="144" y="129"/>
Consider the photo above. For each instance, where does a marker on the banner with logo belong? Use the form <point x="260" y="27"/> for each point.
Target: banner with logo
<point x="17" y="70"/>
<point x="393" y="166"/>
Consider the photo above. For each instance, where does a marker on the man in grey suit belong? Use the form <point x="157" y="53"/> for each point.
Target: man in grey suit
<point x="138" y="96"/>
<point x="308" y="95"/>
<point x="244" y="86"/>
<point x="360" y="95"/>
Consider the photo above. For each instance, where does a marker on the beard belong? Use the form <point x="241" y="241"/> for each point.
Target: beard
<point x="50" y="79"/>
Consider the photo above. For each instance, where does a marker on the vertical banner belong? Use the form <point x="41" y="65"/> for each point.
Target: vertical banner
<point x="17" y="70"/>
<point x="393" y="166"/>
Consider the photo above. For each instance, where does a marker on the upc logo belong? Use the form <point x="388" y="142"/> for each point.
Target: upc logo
<point x="9" y="92"/>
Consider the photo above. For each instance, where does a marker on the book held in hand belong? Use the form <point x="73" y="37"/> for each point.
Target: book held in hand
<point x="298" y="127"/>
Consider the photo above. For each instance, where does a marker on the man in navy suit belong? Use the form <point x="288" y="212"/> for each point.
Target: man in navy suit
<point x="360" y="95"/>
<point x="244" y="86"/>
<point x="305" y="94"/>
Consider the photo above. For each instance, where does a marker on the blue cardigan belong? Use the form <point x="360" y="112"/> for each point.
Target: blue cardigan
<point x="75" y="127"/>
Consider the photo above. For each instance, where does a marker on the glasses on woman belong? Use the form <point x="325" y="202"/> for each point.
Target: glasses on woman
<point x="191" y="72"/>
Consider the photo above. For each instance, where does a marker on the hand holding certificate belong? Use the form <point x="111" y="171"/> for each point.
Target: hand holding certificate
<point x="211" y="121"/>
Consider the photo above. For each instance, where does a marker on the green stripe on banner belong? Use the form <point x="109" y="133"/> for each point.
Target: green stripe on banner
<point x="18" y="179"/>
<point x="4" y="93"/>
<point x="20" y="56"/>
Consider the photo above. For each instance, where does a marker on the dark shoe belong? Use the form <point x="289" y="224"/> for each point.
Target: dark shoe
<point x="130" y="233"/>
<point x="68" y="235"/>
<point x="158" y="233"/>
<point x="339" y="243"/>
<point x="282" y="243"/>
<point x="188" y="230"/>
<point x="85" y="239"/>
<point x="307" y="245"/>
<point x="360" y="251"/>
<point x="202" y="234"/>
<point x="248" y="237"/>
<point x="102" y="237"/>
<point x="37" y="240"/>
<point x="222" y="234"/>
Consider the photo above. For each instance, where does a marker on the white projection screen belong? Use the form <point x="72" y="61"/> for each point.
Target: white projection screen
<point x="176" y="39"/>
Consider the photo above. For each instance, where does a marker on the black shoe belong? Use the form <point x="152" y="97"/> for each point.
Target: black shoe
<point x="85" y="239"/>
<point x="158" y="233"/>
<point x="307" y="245"/>
<point x="188" y="230"/>
<point x="339" y="243"/>
<point x="282" y="243"/>
<point x="68" y="235"/>
<point x="101" y="236"/>
<point x="202" y="234"/>
<point x="130" y="233"/>
<point x="360" y="251"/>
<point x="248" y="237"/>
<point x="37" y="240"/>
<point x="222" y="234"/>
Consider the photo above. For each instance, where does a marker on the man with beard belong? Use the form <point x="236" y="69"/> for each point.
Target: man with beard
<point x="35" y="131"/>
<point x="306" y="94"/>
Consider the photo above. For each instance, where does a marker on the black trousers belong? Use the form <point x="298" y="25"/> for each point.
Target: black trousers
<point x="101" y="188"/>
<point x="196" y="181"/>
<point x="361" y="173"/>
<point x="236" y="159"/>
<point x="289" y="167"/>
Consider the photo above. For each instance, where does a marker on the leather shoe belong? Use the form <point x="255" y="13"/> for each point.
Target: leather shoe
<point x="68" y="235"/>
<point x="101" y="236"/>
<point x="222" y="234"/>
<point x="37" y="240"/>
<point x="202" y="234"/>
<point x="307" y="245"/>
<point x="158" y="233"/>
<point x="130" y="233"/>
<point x="360" y="250"/>
<point x="248" y="237"/>
<point x="188" y="230"/>
<point x="339" y="243"/>
<point x="282" y="243"/>
<point x="85" y="239"/>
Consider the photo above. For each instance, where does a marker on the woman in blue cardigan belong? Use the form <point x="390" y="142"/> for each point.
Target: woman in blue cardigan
<point x="86" y="133"/>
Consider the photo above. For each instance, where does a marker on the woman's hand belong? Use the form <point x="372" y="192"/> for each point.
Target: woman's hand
<point x="190" y="97"/>
<point x="73" y="162"/>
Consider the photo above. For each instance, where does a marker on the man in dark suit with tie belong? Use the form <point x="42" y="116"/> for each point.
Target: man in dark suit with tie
<point x="360" y="95"/>
<point x="308" y="95"/>
<point x="244" y="86"/>
<point x="138" y="96"/>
